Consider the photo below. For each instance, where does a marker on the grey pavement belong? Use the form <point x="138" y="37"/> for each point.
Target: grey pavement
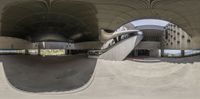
<point x="117" y="80"/>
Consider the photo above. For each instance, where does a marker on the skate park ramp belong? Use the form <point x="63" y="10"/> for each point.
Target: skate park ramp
<point x="126" y="80"/>
<point x="47" y="74"/>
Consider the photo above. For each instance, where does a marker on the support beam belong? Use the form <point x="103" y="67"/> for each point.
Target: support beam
<point x="162" y="52"/>
<point x="182" y="53"/>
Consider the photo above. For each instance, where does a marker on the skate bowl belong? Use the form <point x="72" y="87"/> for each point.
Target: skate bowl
<point x="48" y="74"/>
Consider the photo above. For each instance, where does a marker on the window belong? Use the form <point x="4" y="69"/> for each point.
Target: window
<point x="166" y="35"/>
<point x="188" y="40"/>
<point x="183" y="36"/>
<point x="178" y="42"/>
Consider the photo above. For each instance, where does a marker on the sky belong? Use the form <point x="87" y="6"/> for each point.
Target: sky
<point x="150" y="22"/>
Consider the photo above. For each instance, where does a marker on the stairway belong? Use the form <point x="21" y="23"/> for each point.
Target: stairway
<point x="121" y="49"/>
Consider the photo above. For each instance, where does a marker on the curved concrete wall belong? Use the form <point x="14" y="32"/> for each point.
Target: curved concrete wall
<point x="148" y="45"/>
<point x="14" y="43"/>
<point x="70" y="46"/>
<point x="88" y="45"/>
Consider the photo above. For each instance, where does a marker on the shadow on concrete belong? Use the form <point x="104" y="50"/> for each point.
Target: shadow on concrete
<point x="183" y="60"/>
<point x="48" y="74"/>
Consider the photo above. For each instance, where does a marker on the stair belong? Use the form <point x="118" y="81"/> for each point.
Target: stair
<point x="121" y="50"/>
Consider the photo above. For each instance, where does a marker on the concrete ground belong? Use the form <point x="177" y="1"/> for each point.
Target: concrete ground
<point x="148" y="78"/>
<point x="48" y="74"/>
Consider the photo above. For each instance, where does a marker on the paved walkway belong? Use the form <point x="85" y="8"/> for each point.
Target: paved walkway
<point x="125" y="80"/>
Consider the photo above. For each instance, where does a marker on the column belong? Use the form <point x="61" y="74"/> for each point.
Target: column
<point x="66" y="52"/>
<point x="136" y="53"/>
<point x="162" y="52"/>
<point x="115" y="39"/>
<point x="26" y="52"/>
<point x="182" y="53"/>
<point x="119" y="38"/>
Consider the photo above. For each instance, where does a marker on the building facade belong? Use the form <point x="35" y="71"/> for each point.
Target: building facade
<point x="176" y="38"/>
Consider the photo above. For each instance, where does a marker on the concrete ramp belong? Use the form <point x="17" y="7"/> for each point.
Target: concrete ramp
<point x="115" y="80"/>
<point x="47" y="74"/>
<point x="121" y="50"/>
<point x="14" y="43"/>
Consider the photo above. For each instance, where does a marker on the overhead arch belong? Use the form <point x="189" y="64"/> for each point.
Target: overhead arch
<point x="111" y="14"/>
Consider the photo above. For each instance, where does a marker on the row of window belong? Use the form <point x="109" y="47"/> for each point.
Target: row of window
<point x="167" y="34"/>
<point x="171" y="33"/>
<point x="178" y="42"/>
<point x="170" y="26"/>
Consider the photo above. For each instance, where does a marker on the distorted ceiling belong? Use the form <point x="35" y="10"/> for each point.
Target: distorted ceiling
<point x="37" y="20"/>
<point x="74" y="17"/>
